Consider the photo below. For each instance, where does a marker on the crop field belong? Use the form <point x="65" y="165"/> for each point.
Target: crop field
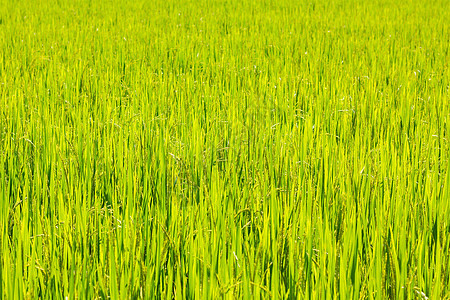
<point x="225" y="149"/>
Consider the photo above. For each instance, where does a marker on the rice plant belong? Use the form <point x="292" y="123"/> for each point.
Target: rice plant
<point x="225" y="149"/>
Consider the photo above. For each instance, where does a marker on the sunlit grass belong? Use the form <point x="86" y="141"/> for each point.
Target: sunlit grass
<point x="225" y="149"/>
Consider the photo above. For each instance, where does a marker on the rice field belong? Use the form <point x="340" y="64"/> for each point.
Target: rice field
<point x="224" y="149"/>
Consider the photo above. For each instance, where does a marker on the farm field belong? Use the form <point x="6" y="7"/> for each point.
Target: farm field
<point x="225" y="149"/>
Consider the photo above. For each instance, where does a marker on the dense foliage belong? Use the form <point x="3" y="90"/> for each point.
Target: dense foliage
<point x="225" y="149"/>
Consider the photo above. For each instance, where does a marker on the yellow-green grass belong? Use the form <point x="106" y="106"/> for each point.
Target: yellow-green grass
<point x="224" y="149"/>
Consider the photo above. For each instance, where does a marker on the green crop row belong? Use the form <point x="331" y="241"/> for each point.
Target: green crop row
<point x="225" y="149"/>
